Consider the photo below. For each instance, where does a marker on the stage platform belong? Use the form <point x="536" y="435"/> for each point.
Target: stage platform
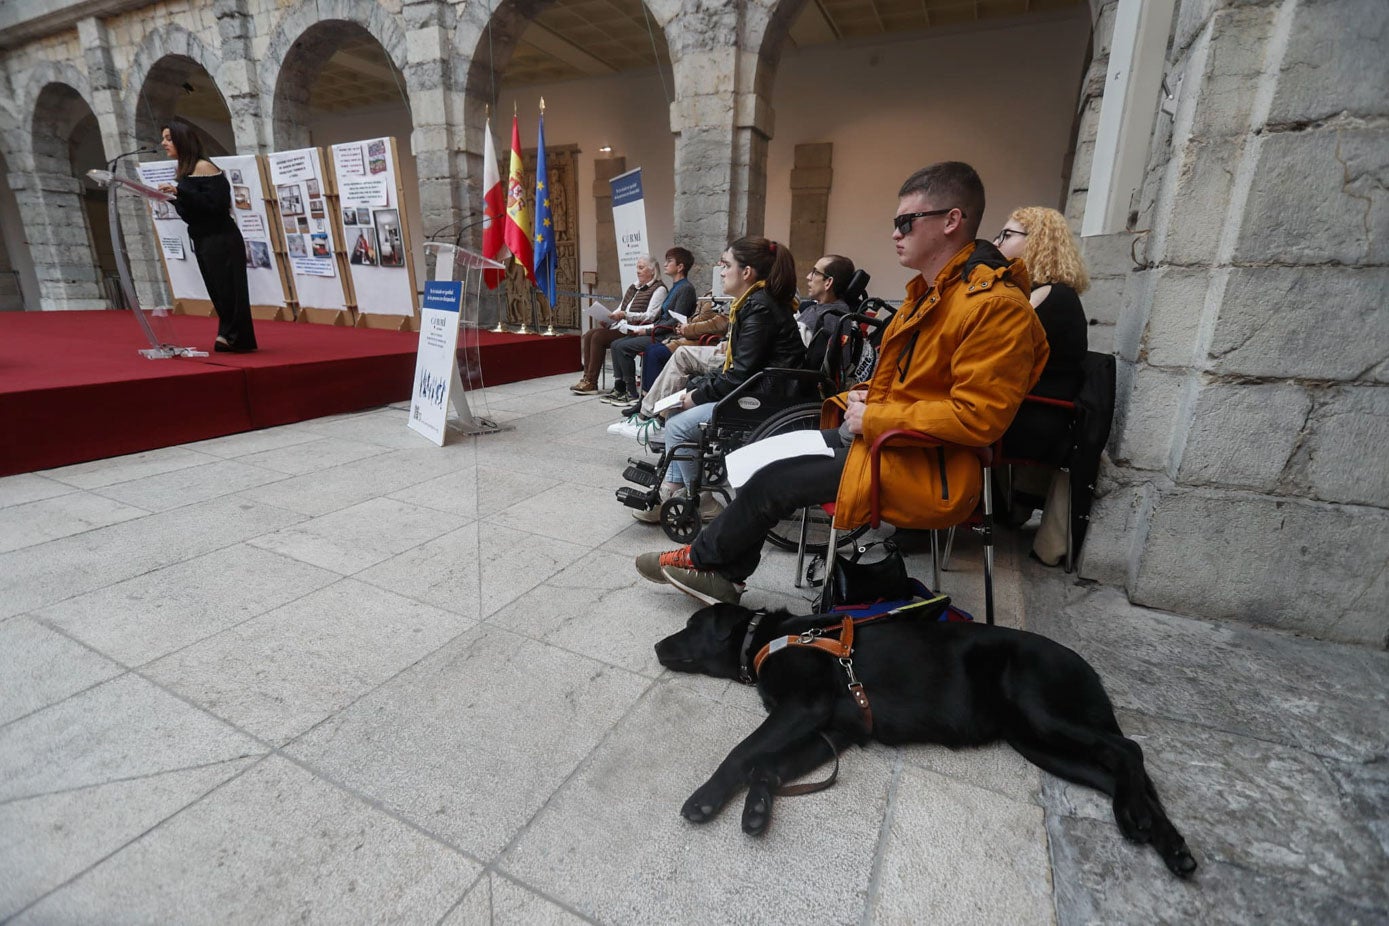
<point x="73" y="386"/>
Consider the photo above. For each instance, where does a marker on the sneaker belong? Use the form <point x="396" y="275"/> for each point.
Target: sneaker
<point x="584" y="387"/>
<point x="620" y="427"/>
<point x="617" y="398"/>
<point x="650" y="564"/>
<point x="649" y="431"/>
<point x="710" y="507"/>
<point x="704" y="584"/>
<point x="630" y="410"/>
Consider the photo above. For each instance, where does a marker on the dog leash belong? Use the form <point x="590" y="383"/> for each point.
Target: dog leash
<point x="842" y="649"/>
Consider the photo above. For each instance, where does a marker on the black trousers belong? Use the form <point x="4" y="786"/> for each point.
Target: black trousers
<point x="731" y="544"/>
<point x="222" y="260"/>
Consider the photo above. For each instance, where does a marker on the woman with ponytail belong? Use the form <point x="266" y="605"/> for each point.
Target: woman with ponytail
<point x="760" y="275"/>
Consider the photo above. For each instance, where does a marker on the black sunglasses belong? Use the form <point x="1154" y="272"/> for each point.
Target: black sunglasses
<point x="903" y="222"/>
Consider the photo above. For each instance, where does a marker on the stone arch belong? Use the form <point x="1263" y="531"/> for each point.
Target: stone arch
<point x="304" y="38"/>
<point x="159" y="45"/>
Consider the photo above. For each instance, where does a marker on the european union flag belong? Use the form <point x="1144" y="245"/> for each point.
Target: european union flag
<point x="545" y="257"/>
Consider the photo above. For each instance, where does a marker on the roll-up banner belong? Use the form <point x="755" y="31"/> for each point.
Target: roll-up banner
<point x="629" y="224"/>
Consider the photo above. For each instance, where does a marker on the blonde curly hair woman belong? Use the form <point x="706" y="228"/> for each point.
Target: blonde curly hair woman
<point x="1041" y="237"/>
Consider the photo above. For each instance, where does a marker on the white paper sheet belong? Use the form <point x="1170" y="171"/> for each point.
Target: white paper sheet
<point x="745" y="461"/>
<point x="679" y="319"/>
<point x="596" y="312"/>
<point x="670" y="401"/>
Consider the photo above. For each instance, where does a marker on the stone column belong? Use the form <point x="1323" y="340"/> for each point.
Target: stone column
<point x="247" y="100"/>
<point x="436" y="109"/>
<point x="1248" y="479"/>
<point x="609" y="274"/>
<point x="810" y="197"/>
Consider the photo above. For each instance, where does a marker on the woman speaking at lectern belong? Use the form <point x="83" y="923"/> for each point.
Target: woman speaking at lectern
<point x="202" y="198"/>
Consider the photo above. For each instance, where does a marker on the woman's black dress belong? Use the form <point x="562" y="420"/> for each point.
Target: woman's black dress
<point x="1041" y="432"/>
<point x="204" y="203"/>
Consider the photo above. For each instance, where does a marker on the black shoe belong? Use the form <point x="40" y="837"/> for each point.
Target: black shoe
<point x="630" y="410"/>
<point x="222" y="347"/>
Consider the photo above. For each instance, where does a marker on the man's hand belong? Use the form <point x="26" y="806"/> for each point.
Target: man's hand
<point x="617" y="316"/>
<point x="686" y="401"/>
<point x="853" y="411"/>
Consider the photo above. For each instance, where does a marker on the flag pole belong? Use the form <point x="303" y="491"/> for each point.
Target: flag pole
<point x="549" y="331"/>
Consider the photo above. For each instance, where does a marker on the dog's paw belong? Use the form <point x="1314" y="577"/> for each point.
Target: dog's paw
<point x="1135" y="822"/>
<point x="703" y="805"/>
<point x="1179" y="859"/>
<point x="757" y="810"/>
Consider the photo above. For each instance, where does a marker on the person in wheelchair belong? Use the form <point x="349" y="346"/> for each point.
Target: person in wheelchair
<point x="825" y="286"/>
<point x="955" y="362"/>
<point x="760" y="275"/>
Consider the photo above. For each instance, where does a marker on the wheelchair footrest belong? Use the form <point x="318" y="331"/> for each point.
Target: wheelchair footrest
<point x="635" y="498"/>
<point x="640" y="472"/>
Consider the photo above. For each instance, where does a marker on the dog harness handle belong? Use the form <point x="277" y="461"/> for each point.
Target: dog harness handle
<point x="841" y="649"/>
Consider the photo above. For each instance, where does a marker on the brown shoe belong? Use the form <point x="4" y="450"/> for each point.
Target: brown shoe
<point x="584" y="387"/>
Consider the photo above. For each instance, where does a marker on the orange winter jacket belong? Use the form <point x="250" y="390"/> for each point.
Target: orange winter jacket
<point x="955" y="362"/>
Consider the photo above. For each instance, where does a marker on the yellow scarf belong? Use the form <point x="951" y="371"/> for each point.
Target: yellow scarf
<point x="733" y="317"/>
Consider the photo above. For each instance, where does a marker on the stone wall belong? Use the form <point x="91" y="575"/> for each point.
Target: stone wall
<point x="1247" y="478"/>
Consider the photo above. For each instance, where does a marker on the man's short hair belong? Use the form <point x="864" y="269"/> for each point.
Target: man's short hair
<point x="682" y="257"/>
<point x="950" y="184"/>
<point x="840" y="270"/>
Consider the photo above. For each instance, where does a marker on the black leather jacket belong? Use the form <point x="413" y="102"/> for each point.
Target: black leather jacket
<point x="763" y="335"/>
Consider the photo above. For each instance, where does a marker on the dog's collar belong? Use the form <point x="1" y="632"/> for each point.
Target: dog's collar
<point x="745" y="675"/>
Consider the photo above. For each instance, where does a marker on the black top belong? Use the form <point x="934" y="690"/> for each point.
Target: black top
<point x="1041" y="432"/>
<point x="205" y="204"/>
<point x="763" y="334"/>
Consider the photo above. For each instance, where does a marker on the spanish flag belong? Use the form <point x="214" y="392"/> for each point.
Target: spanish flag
<point x="518" y="213"/>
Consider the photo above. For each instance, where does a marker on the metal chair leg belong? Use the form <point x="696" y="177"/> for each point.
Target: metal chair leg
<point x="1070" y="542"/>
<point x="935" y="561"/>
<point x="949" y="545"/>
<point x="988" y="533"/>
<point x="800" y="548"/>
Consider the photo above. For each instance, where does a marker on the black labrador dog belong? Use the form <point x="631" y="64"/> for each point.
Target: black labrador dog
<point x="912" y="679"/>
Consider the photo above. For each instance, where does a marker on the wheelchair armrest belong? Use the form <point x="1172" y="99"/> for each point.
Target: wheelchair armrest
<point x="1044" y="400"/>
<point x="906" y="436"/>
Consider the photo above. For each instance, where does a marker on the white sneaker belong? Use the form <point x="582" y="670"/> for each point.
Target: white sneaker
<point x="649" y="430"/>
<point x="620" y="427"/>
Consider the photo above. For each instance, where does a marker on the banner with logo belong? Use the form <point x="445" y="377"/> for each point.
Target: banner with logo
<point x="629" y="224"/>
<point x="436" y="371"/>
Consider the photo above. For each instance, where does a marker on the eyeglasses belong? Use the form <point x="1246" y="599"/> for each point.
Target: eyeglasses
<point x="1006" y="234"/>
<point x="819" y="273"/>
<point x="903" y="222"/>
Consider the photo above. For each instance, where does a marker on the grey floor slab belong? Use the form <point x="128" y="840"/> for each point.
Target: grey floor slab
<point x="29" y="487"/>
<point x="499" y="901"/>
<point x="190" y="485"/>
<point x="313" y="456"/>
<point x="476" y="491"/>
<point x="274" y="845"/>
<point x="110" y="471"/>
<point x="278" y="674"/>
<point x="151" y="615"/>
<point x="58" y="570"/>
<point x="246" y="443"/>
<point x="351" y="539"/>
<point x="335" y="487"/>
<point x="53" y="838"/>
<point x="474" y="570"/>
<point x="51" y="518"/>
<point x="576" y="513"/>
<point x="125" y="728"/>
<point x="41" y="667"/>
<point x="472" y="741"/>
<point x="941" y="834"/>
<point x="612" y="845"/>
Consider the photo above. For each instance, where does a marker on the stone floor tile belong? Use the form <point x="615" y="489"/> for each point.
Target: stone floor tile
<point x="517" y="451"/>
<point x="617" y="626"/>
<point x="1101" y="879"/>
<point x="154" y="614"/>
<point x="387" y="427"/>
<point x="62" y="516"/>
<point x="29" y="487"/>
<point x="473" y="740"/>
<point x="189" y="486"/>
<point x="941" y="834"/>
<point x="1365" y="785"/>
<point x="58" y="570"/>
<point x="55" y="837"/>
<point x="475" y="492"/>
<point x="41" y="667"/>
<point x="278" y="674"/>
<point x="273" y="845"/>
<point x="445" y="571"/>
<point x="330" y="489"/>
<point x="611" y="844"/>
<point x="576" y="513"/>
<point x="1250" y="803"/>
<point x="125" y="728"/>
<point x="351" y="539"/>
<point x="97" y="473"/>
<point x="313" y="456"/>
<point x="995" y="768"/>
<point x="499" y="901"/>
<point x="233" y="446"/>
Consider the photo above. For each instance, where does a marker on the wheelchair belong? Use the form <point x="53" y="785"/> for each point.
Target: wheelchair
<point x="771" y="402"/>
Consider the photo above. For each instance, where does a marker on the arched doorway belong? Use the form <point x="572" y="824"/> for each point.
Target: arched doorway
<point x="66" y="243"/>
<point x="179" y="87"/>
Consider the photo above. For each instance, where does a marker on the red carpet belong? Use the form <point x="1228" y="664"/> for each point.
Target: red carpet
<point x="74" y="388"/>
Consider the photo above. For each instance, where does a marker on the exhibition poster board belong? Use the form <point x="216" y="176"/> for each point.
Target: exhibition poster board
<point x="436" y="360"/>
<point x="266" y="272"/>
<point x="175" y="247"/>
<point x="313" y="246"/>
<point x="629" y="224"/>
<point x="374" y="229"/>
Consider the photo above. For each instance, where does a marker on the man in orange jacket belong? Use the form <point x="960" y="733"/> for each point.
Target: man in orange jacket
<point x="955" y="362"/>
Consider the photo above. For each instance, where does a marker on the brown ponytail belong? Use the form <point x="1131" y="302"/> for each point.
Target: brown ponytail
<point x="772" y="262"/>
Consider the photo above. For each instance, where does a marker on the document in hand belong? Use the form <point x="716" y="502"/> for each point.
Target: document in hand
<point x="679" y="319"/>
<point x="669" y="401"/>
<point x="596" y="312"/>
<point x="745" y="461"/>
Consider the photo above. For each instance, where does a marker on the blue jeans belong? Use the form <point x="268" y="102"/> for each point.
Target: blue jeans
<point x="652" y="363"/>
<point x="682" y="428"/>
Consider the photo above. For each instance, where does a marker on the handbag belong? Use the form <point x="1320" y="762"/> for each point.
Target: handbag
<point x="852" y="581"/>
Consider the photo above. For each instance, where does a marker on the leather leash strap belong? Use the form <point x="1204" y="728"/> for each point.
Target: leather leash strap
<point x="810" y="787"/>
<point x="841" y="649"/>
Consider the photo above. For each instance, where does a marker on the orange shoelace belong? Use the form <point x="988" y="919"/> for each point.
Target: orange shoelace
<point x="678" y="559"/>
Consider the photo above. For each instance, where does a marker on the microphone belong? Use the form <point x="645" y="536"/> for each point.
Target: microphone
<point x="148" y="149"/>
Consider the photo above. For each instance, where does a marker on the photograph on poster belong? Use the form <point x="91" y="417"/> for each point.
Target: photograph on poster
<point x="320" y="244"/>
<point x="363" y="215"/>
<point x="297" y="247"/>
<point x="258" y="255"/>
<point x="311" y="185"/>
<point x="162" y="210"/>
<point x="364" y="250"/>
<point x="291" y="203"/>
<point x="390" y="248"/>
<point x="303" y="224"/>
<point x="316" y="208"/>
<point x="376" y="157"/>
<point x="235" y="175"/>
<point x="349" y="217"/>
<point x="241" y="197"/>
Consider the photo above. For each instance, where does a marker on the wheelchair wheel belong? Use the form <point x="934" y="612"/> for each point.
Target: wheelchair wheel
<point x="680" y="518"/>
<point x="787" y="533"/>
<point x="714" y="472"/>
